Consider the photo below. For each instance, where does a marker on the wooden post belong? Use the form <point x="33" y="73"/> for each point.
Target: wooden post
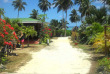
<point x="106" y="52"/>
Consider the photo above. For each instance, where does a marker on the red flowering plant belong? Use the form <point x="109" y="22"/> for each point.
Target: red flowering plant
<point x="45" y="33"/>
<point x="6" y="33"/>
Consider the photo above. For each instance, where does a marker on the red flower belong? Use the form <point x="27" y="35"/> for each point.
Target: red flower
<point x="5" y="43"/>
<point x="49" y="29"/>
<point x="4" y="21"/>
<point x="9" y="25"/>
<point x="2" y="35"/>
<point x="14" y="33"/>
<point x="11" y="28"/>
<point x="6" y="32"/>
<point x="3" y="27"/>
<point x="9" y="43"/>
<point x="108" y="58"/>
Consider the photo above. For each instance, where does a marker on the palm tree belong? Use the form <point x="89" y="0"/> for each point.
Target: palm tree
<point x="19" y="4"/>
<point x="85" y="8"/>
<point x="74" y="17"/>
<point x="63" y="5"/>
<point x="98" y="15"/>
<point x="44" y="5"/>
<point x="1" y="12"/>
<point x="34" y="14"/>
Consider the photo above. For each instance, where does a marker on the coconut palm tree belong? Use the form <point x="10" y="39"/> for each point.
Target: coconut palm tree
<point x="34" y="14"/>
<point x="63" y="5"/>
<point x="85" y="8"/>
<point x="44" y="5"/>
<point x="74" y="17"/>
<point x="1" y="12"/>
<point x="19" y="4"/>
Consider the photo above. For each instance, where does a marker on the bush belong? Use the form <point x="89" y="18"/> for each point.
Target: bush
<point x="104" y="65"/>
<point x="6" y="33"/>
<point x="68" y="32"/>
<point x="45" y="33"/>
<point x="60" y="33"/>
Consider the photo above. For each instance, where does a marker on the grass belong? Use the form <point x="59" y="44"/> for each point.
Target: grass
<point x="23" y="56"/>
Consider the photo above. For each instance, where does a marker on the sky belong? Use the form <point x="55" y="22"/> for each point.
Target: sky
<point x="33" y="4"/>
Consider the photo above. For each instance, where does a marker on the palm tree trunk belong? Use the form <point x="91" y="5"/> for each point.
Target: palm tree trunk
<point x="18" y="13"/>
<point x="44" y="16"/>
<point x="65" y="23"/>
<point x="0" y="16"/>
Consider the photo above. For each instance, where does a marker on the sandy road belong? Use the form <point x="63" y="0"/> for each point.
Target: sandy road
<point x="58" y="58"/>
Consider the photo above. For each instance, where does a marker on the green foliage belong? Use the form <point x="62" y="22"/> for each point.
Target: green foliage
<point x="34" y="14"/>
<point x="68" y="33"/>
<point x="2" y="12"/>
<point x="59" y="33"/>
<point x="74" y="17"/>
<point x="45" y="33"/>
<point x="105" y="64"/>
<point x="19" y="4"/>
<point x="29" y="31"/>
<point x="3" y="60"/>
<point x="92" y="30"/>
<point x="62" y="32"/>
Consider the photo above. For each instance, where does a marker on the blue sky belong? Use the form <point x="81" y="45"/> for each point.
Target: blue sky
<point x="33" y="4"/>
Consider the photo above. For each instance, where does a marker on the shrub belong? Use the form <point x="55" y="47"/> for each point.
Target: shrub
<point x="104" y="65"/>
<point x="68" y="32"/>
<point x="6" y="33"/>
<point x="45" y="33"/>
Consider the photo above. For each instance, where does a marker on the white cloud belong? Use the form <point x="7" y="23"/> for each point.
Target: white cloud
<point x="5" y="1"/>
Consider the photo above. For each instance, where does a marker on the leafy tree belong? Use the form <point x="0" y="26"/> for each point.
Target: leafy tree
<point x="34" y="14"/>
<point x="29" y="31"/>
<point x="1" y="12"/>
<point x="19" y="4"/>
<point x="44" y="5"/>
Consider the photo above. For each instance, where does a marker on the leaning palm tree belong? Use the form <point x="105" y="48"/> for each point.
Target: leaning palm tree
<point x="44" y="5"/>
<point x="1" y="12"/>
<point x="19" y="4"/>
<point x="34" y="14"/>
<point x="63" y="5"/>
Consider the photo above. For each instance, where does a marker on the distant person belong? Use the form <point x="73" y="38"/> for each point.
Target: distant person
<point x="22" y="39"/>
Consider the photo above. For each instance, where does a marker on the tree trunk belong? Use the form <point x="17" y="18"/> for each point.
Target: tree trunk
<point x="18" y="13"/>
<point x="65" y="23"/>
<point x="28" y="42"/>
<point x="44" y="16"/>
<point x="0" y="16"/>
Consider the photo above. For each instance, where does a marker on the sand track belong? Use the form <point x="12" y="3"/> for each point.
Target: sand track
<point x="58" y="58"/>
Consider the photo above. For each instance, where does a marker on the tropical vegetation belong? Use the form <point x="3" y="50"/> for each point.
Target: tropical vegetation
<point x="19" y="4"/>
